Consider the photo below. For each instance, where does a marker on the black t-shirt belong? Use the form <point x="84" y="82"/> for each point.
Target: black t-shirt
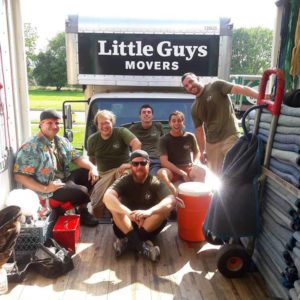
<point x="179" y="148"/>
<point x="140" y="195"/>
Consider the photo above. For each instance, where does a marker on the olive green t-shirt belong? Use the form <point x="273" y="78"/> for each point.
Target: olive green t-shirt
<point x="178" y="148"/>
<point x="149" y="137"/>
<point x="215" y="110"/>
<point x="140" y="195"/>
<point x="110" y="153"/>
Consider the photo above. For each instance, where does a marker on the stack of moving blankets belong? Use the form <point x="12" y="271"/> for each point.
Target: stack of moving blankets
<point x="277" y="251"/>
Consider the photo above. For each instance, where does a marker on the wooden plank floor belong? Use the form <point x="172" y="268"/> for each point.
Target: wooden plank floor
<point x="185" y="271"/>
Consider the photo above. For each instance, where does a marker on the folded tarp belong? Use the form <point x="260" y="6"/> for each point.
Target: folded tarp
<point x="279" y="129"/>
<point x="287" y="177"/>
<point x="286" y="147"/>
<point x="285" y="168"/>
<point x="290" y="111"/>
<point x="283" y="120"/>
<point x="265" y="266"/>
<point x="284" y="138"/>
<point x="282" y="193"/>
<point x="282" y="218"/>
<point x="265" y="245"/>
<point x="287" y="138"/>
<point x="287" y="156"/>
<point x="277" y="201"/>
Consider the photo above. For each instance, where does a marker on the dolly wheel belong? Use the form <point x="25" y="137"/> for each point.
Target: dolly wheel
<point x="233" y="261"/>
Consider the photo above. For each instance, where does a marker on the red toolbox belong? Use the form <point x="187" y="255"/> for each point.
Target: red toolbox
<point x="67" y="231"/>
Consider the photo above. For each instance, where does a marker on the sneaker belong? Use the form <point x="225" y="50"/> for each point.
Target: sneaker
<point x="88" y="219"/>
<point x="150" y="251"/>
<point x="120" y="246"/>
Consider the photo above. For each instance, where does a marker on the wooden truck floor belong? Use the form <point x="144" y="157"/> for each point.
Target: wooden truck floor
<point x="185" y="271"/>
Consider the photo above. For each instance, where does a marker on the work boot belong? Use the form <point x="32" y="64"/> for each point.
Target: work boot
<point x="87" y="219"/>
<point x="150" y="251"/>
<point x="120" y="246"/>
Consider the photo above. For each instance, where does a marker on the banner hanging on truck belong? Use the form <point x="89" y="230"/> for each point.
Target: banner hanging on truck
<point x="148" y="54"/>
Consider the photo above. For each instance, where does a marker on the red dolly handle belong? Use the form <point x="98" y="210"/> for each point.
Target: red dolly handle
<point x="272" y="106"/>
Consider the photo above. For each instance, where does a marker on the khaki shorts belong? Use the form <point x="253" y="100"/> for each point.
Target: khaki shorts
<point x="216" y="153"/>
<point x="106" y="180"/>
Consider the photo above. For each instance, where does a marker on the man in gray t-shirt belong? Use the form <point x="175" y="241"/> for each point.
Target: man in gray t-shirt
<point x="149" y="132"/>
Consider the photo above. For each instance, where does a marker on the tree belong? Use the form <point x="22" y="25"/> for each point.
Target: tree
<point x="30" y="36"/>
<point x="51" y="69"/>
<point x="251" y="50"/>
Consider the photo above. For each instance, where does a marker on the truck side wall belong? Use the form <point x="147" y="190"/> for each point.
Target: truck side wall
<point x="15" y="122"/>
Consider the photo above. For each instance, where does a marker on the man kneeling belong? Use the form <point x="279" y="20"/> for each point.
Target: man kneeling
<point x="140" y="204"/>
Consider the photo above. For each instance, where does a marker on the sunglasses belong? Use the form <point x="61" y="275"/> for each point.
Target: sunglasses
<point x="142" y="163"/>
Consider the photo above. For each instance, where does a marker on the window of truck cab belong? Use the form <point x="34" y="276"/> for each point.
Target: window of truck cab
<point x="127" y="111"/>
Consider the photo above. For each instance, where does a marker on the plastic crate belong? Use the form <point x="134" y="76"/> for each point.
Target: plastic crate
<point x="30" y="236"/>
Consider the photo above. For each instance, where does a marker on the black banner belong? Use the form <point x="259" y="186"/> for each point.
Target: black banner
<point x="148" y="54"/>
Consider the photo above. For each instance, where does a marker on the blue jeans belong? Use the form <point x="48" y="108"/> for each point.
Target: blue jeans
<point x="154" y="166"/>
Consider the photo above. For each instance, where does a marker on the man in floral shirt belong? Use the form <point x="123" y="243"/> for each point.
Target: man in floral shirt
<point x="42" y="165"/>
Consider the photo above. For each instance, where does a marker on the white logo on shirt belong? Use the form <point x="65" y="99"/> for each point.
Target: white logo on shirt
<point x="148" y="196"/>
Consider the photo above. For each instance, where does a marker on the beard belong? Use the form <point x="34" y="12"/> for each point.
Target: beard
<point x="139" y="176"/>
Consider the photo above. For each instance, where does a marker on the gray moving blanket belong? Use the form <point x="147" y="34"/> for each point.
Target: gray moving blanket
<point x="234" y="210"/>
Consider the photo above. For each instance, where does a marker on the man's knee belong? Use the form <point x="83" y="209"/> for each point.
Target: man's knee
<point x="165" y="174"/>
<point x="152" y="230"/>
<point x="155" y="221"/>
<point x="198" y="173"/>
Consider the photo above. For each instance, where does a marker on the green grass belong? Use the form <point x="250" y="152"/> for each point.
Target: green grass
<point x="42" y="98"/>
<point x="48" y="98"/>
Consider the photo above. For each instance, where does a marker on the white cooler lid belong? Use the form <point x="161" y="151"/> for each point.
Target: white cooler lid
<point x="194" y="189"/>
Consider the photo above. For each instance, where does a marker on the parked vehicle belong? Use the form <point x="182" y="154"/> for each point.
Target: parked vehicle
<point x="124" y="64"/>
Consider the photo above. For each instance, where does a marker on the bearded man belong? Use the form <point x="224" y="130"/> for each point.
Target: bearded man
<point x="140" y="205"/>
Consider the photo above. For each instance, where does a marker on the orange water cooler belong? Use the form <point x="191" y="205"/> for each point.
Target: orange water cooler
<point x="196" y="197"/>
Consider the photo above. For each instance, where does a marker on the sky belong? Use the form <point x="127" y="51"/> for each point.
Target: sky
<point x="49" y="16"/>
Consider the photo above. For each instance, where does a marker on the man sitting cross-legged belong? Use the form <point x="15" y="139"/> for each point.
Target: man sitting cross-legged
<point x="140" y="204"/>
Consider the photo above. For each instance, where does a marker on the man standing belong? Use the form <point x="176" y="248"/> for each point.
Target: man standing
<point x="149" y="132"/>
<point x="213" y="110"/>
<point x="42" y="165"/>
<point x="140" y="204"/>
<point x="179" y="154"/>
<point x="109" y="150"/>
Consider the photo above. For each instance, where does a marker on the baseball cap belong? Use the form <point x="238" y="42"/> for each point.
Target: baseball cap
<point x="49" y="114"/>
<point x="139" y="153"/>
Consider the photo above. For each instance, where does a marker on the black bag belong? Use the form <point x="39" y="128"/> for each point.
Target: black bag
<point x="51" y="260"/>
<point x="292" y="98"/>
